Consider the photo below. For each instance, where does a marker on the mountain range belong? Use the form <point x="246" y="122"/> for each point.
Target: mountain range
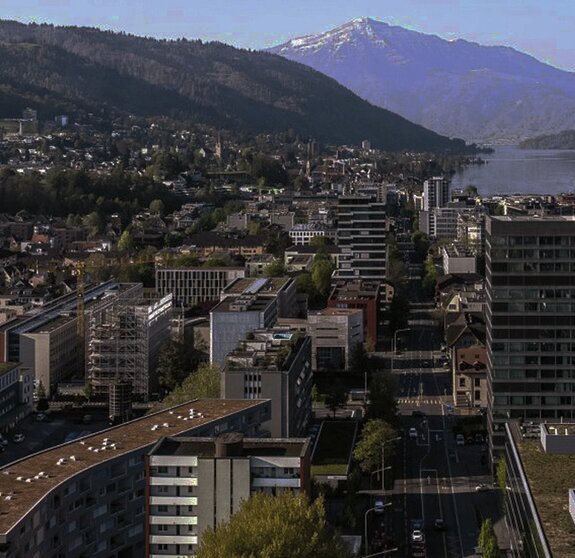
<point x="82" y="71"/>
<point x="456" y="88"/>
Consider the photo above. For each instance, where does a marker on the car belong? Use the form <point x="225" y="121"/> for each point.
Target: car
<point x="451" y="454"/>
<point x="460" y="440"/>
<point x="417" y="536"/>
<point x="379" y="506"/>
<point x="17" y="438"/>
<point x="426" y="364"/>
<point x="439" y="524"/>
<point x="481" y="488"/>
<point x="40" y="417"/>
<point x="3" y="441"/>
<point x="413" y="432"/>
<point x="478" y="438"/>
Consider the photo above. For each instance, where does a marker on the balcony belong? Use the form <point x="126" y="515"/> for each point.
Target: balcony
<point x="173" y="520"/>
<point x="174" y="481"/>
<point x="268" y="482"/>
<point x="173" y="501"/>
<point x="173" y="539"/>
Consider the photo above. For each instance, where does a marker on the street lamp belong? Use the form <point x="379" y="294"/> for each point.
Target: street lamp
<point x="394" y="344"/>
<point x="383" y="461"/>
<point x="365" y="526"/>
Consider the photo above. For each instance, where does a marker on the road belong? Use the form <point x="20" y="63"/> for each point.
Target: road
<point x="432" y="484"/>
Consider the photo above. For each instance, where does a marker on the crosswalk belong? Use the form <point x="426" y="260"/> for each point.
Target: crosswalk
<point x="422" y="401"/>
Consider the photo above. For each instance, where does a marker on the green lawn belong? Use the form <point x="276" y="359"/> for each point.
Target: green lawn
<point x="334" y="447"/>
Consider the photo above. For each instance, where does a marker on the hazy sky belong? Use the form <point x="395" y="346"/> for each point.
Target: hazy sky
<point x="543" y="28"/>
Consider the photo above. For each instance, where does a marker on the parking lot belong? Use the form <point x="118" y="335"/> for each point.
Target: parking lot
<point x="42" y="435"/>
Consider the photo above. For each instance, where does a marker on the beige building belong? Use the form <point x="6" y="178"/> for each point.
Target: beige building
<point x="52" y="351"/>
<point x="334" y="333"/>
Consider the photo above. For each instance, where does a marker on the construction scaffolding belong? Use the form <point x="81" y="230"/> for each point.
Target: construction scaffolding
<point x="124" y="334"/>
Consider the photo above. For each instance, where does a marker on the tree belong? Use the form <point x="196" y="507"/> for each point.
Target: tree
<point x="172" y="368"/>
<point x="321" y="272"/>
<point x="420" y="244"/>
<point x="157" y="207"/>
<point x="126" y="242"/>
<point x="487" y="540"/>
<point x="368" y="450"/>
<point x="204" y="383"/>
<point x="88" y="392"/>
<point x="41" y="390"/>
<point x="336" y="397"/>
<point x="470" y="190"/>
<point x="275" y="269"/>
<point x="359" y="360"/>
<point x="382" y="400"/>
<point x="429" y="276"/>
<point x="268" y="526"/>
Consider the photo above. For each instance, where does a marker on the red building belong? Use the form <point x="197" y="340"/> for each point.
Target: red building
<point x="362" y="295"/>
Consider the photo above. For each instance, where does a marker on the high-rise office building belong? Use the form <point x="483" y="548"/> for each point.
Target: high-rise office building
<point x="435" y="193"/>
<point x="530" y="319"/>
<point x="362" y="230"/>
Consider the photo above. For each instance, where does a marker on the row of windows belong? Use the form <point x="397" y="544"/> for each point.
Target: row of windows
<point x="526" y="400"/>
<point x="531" y="346"/>
<point x="532" y="254"/>
<point x="522" y="374"/>
<point x="533" y="307"/>
<point x="531" y="294"/>
<point x="533" y="240"/>
<point x="532" y="360"/>
<point x="532" y="267"/>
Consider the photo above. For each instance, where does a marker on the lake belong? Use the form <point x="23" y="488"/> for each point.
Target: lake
<point x="513" y="170"/>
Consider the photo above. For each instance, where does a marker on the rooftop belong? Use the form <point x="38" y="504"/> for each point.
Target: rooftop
<point x="206" y="447"/>
<point x="550" y="477"/>
<point x="337" y="311"/>
<point x="354" y="288"/>
<point x="252" y="285"/>
<point x="253" y="303"/>
<point x="7" y="366"/>
<point x="27" y="481"/>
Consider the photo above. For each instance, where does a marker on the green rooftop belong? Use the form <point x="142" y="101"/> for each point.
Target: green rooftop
<point x="550" y="477"/>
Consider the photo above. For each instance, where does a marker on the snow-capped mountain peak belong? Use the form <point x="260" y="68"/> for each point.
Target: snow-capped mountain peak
<point x="455" y="87"/>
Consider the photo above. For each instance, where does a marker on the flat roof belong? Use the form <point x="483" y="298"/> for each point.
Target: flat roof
<point x="338" y="311"/>
<point x="127" y="438"/>
<point x="550" y="476"/>
<point x="251" y="447"/>
<point x="7" y="366"/>
<point x="259" y="285"/>
<point x="255" y="304"/>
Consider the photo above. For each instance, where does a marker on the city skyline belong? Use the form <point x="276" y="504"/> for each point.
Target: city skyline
<point x="528" y="26"/>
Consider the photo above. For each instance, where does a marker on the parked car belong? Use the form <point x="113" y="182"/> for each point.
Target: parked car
<point x="3" y="441"/>
<point x="413" y="432"/>
<point x="481" y="488"/>
<point x="40" y="417"/>
<point x="478" y="438"/>
<point x="417" y="536"/>
<point x="460" y="440"/>
<point x="18" y="438"/>
<point x="439" y="524"/>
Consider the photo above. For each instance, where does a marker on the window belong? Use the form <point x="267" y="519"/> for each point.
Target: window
<point x="461" y="382"/>
<point x="477" y="395"/>
<point x="477" y="382"/>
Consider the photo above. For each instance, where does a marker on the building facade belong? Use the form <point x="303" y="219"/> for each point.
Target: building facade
<point x="362" y="230"/>
<point x="124" y="337"/>
<point x="273" y="364"/>
<point x="87" y="498"/>
<point x="216" y="475"/>
<point x="195" y="286"/>
<point x="530" y="320"/>
<point x="334" y="332"/>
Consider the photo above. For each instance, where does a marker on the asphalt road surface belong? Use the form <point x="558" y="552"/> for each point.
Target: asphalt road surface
<point x="438" y="478"/>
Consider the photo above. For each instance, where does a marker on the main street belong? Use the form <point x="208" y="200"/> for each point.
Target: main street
<point x="438" y="478"/>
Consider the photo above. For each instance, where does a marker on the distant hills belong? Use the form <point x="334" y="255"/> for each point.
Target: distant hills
<point x="562" y="140"/>
<point x="84" y="70"/>
<point x="457" y="88"/>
